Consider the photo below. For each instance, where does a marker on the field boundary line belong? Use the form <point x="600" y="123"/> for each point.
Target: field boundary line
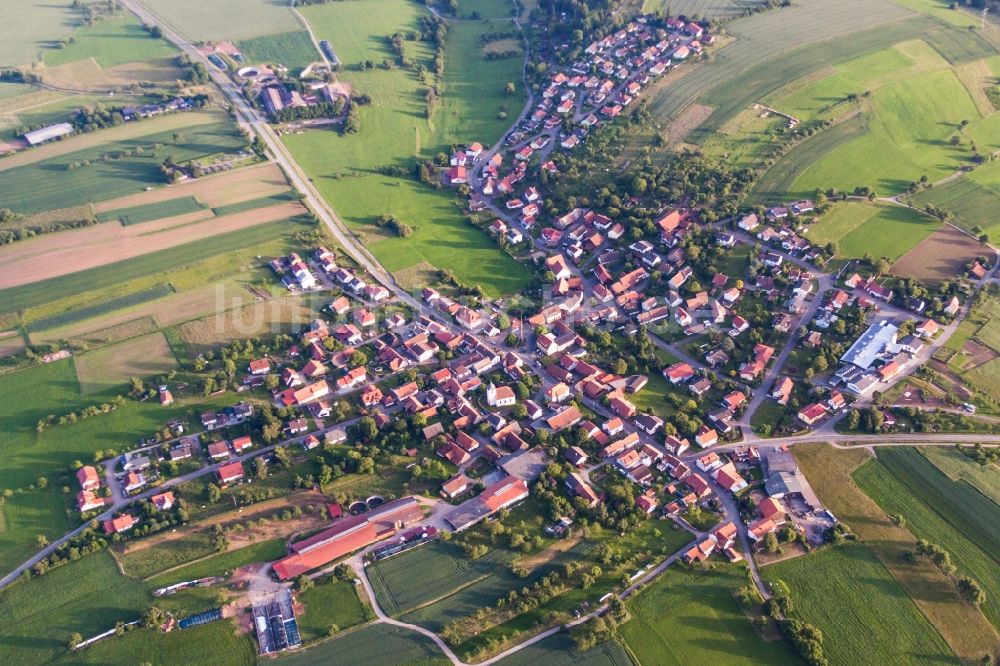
<point x="445" y="596"/>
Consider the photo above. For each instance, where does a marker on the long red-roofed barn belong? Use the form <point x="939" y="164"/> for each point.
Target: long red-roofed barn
<point x="349" y="535"/>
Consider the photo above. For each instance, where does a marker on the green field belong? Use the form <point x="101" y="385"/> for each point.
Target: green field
<point x="26" y="515"/>
<point x="89" y="596"/>
<point x="558" y="650"/>
<point x="865" y="616"/>
<point x="47" y="113"/>
<point x="98" y="309"/>
<point x="973" y="514"/>
<point x="31" y="27"/>
<point x="942" y="10"/>
<point x="261" y="202"/>
<point x="294" y="50"/>
<point x="690" y="616"/>
<point x="444" y="569"/>
<point x="881" y="230"/>
<point x="153" y="211"/>
<point x="395" y="131"/>
<point x="973" y="199"/>
<point x="263" y="551"/>
<point x="703" y="8"/>
<point x="377" y="645"/>
<point x="166" y="261"/>
<point x="910" y="124"/>
<point x="225" y="19"/>
<point x="150" y="561"/>
<point x="896" y="499"/>
<point x="111" y="42"/>
<point x="334" y="602"/>
<point x="50" y="184"/>
<point x="959" y="467"/>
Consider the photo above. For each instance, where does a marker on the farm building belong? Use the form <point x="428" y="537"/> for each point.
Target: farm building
<point x="44" y="134"/>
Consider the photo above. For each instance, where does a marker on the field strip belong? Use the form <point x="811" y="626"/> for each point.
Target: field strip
<point x="31" y="261"/>
<point x="217" y="190"/>
<point x="98" y="138"/>
<point x="451" y="593"/>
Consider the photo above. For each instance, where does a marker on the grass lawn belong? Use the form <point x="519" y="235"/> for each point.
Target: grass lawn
<point x="334" y="602"/>
<point x="111" y="42"/>
<point x="653" y="396"/>
<point x="963" y="627"/>
<point x="881" y="230"/>
<point x="910" y="124"/>
<point x="690" y="616"/>
<point x="294" y="50"/>
<point x="33" y="188"/>
<point x="863" y="613"/>
<point x="921" y="519"/>
<point x="217" y="565"/>
<point x="376" y="645"/>
<point x="395" y="132"/>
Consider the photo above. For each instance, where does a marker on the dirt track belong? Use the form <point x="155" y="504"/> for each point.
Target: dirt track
<point x="67" y="252"/>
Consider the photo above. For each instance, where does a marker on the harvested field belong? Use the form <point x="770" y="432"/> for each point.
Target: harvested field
<point x="80" y="249"/>
<point x="11" y="343"/>
<point x="143" y="356"/>
<point x="686" y="121"/>
<point x="941" y="256"/>
<point x="280" y="314"/>
<point x="214" y="191"/>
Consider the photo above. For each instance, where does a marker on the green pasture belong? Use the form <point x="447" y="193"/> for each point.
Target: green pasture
<point x="973" y="199"/>
<point x="881" y="230"/>
<point x="294" y="50"/>
<point x="51" y="184"/>
<point x="865" y="616"/>
<point x="225" y="19"/>
<point x="111" y="42"/>
<point x="153" y="211"/>
<point x="332" y="602"/>
<point x="150" y="561"/>
<point x="27" y="514"/>
<point x="375" y="645"/>
<point x="485" y="9"/>
<point x="691" y="616"/>
<point x="924" y="523"/>
<point x="32" y="27"/>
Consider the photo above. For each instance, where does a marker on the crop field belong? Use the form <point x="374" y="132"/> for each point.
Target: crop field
<point x="942" y="255"/>
<point x="394" y="130"/>
<point x="444" y="568"/>
<point x="92" y="248"/>
<point x="559" y="650"/>
<point x="213" y="643"/>
<point x="145" y="562"/>
<point x="217" y="565"/>
<point x="32" y="27"/>
<point x="963" y="627"/>
<point x="334" y="602"/>
<point x="160" y="264"/>
<point x="959" y="467"/>
<point x="111" y="366"/>
<point x="376" y="645"/>
<point x="153" y="211"/>
<point x="294" y="50"/>
<point x="865" y="616"/>
<point x="922" y="520"/>
<point x="970" y="512"/>
<point x="957" y="46"/>
<point x="877" y="229"/>
<point x="942" y="10"/>
<point x="702" y="8"/>
<point x="973" y="199"/>
<point x="689" y="616"/>
<point x="31" y="188"/>
<point x="111" y="42"/>
<point x="224" y="19"/>
<point x="81" y="314"/>
<point x="261" y="202"/>
<point x="808" y="44"/>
